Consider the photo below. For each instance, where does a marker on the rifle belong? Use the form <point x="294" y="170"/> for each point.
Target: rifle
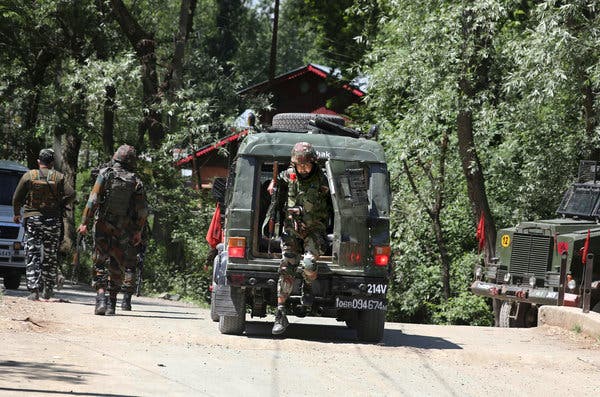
<point x="76" y="259"/>
<point x="273" y="209"/>
<point x="140" y="270"/>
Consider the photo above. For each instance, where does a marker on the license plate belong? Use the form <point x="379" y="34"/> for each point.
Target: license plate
<point x="360" y="303"/>
<point x="5" y="253"/>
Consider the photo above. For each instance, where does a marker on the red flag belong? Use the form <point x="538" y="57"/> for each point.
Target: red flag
<point x="480" y="235"/>
<point x="215" y="232"/>
<point x="586" y="247"/>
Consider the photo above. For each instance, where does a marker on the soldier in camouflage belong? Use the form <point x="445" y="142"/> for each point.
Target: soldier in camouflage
<point x="304" y="231"/>
<point x="43" y="194"/>
<point x="118" y="205"/>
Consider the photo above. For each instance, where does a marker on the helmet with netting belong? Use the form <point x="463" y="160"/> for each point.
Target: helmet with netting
<point x="303" y="152"/>
<point x="126" y="155"/>
<point x="46" y="156"/>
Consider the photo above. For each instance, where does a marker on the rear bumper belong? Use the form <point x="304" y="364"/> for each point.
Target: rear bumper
<point x="332" y="291"/>
<point x="539" y="296"/>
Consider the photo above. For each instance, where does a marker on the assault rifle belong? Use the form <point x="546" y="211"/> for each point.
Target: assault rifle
<point x="75" y="263"/>
<point x="140" y="269"/>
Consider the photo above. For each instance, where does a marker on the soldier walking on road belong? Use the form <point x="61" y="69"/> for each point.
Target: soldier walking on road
<point x="118" y="205"/>
<point x="43" y="194"/>
<point x="304" y="230"/>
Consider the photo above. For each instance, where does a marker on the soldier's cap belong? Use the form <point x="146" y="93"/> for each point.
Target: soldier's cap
<point x="46" y="156"/>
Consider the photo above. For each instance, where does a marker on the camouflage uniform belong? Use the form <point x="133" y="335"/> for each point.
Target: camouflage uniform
<point x="43" y="194"/>
<point x="119" y="207"/>
<point x="304" y="230"/>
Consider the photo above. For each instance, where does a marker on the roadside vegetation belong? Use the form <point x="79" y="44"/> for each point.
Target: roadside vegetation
<point x="485" y="109"/>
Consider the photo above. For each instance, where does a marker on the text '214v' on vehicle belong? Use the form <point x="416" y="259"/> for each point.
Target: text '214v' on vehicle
<point x="354" y="265"/>
<point x="548" y="262"/>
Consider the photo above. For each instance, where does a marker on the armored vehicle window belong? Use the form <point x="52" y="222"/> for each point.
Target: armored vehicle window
<point x="9" y="182"/>
<point x="379" y="193"/>
<point x="580" y="200"/>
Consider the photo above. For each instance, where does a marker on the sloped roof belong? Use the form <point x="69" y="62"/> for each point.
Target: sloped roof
<point x="312" y="68"/>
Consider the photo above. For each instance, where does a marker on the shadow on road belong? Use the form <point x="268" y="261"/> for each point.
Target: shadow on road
<point x="24" y="391"/>
<point x="342" y="334"/>
<point x="47" y="371"/>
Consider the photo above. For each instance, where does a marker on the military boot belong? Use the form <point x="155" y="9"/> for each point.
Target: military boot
<point x="100" y="304"/>
<point x="47" y="292"/>
<point x="126" y="302"/>
<point x="307" y="298"/>
<point x="34" y="295"/>
<point x="112" y="305"/>
<point x="281" y="321"/>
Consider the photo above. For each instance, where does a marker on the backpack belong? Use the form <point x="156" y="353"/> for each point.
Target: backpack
<point x="119" y="190"/>
<point x="43" y="194"/>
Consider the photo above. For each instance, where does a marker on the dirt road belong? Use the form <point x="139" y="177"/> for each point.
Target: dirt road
<point x="165" y="348"/>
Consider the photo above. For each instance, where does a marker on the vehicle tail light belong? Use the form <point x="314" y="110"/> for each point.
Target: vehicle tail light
<point x="382" y="255"/>
<point x="236" y="247"/>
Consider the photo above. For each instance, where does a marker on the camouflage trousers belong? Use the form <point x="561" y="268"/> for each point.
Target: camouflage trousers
<point x="42" y="239"/>
<point x="293" y="248"/>
<point x="115" y="259"/>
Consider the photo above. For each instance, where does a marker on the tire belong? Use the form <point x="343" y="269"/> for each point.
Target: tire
<point x="506" y="310"/>
<point x="370" y="325"/>
<point x="213" y="315"/>
<point x="235" y="325"/>
<point x="596" y="308"/>
<point x="12" y="281"/>
<point x="299" y="121"/>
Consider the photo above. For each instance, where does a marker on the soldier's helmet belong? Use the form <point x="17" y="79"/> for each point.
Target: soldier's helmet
<point x="126" y="155"/>
<point x="46" y="156"/>
<point x="303" y="152"/>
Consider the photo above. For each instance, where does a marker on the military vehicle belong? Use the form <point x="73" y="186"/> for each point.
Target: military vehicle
<point x="548" y="262"/>
<point x="353" y="272"/>
<point x="12" y="247"/>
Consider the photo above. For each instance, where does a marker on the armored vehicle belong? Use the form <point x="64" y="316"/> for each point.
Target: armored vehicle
<point x="352" y="274"/>
<point x="12" y="250"/>
<point x="548" y="262"/>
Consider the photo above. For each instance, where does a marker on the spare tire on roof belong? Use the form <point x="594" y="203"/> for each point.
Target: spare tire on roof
<point x="299" y="121"/>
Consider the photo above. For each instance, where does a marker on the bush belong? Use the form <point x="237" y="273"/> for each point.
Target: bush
<point x="464" y="309"/>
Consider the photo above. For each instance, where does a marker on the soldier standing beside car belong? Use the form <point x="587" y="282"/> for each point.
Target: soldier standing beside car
<point x="118" y="205"/>
<point x="43" y="194"/>
<point x="304" y="230"/>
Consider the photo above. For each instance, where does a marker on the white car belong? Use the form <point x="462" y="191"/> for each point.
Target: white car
<point x="12" y="235"/>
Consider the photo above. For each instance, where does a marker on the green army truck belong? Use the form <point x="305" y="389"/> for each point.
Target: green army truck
<point x="548" y="262"/>
<point x="354" y="270"/>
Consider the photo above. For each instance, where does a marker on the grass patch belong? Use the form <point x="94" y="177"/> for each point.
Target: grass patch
<point x="576" y="328"/>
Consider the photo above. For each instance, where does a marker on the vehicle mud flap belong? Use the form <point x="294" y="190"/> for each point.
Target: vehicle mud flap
<point x="227" y="301"/>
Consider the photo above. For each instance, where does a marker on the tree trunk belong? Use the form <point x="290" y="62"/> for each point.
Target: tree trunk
<point x="186" y="16"/>
<point x="67" y="143"/>
<point x="474" y="79"/>
<point x="144" y="46"/>
<point x="34" y="144"/>
<point x="273" y="56"/>
<point x="108" y="126"/>
<point x="475" y="181"/>
<point x="36" y="77"/>
<point x="444" y="255"/>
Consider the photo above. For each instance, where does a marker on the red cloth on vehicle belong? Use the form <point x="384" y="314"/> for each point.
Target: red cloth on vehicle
<point x="586" y="248"/>
<point x="480" y="235"/>
<point x="215" y="231"/>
